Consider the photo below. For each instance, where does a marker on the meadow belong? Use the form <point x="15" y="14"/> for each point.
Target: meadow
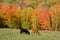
<point x="14" y="34"/>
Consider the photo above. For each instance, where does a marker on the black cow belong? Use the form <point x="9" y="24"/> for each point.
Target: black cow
<point x="22" y="30"/>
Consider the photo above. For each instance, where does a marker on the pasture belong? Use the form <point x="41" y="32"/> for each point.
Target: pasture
<point x="14" y="34"/>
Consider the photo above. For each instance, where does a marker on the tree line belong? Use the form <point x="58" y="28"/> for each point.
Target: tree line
<point x="42" y="15"/>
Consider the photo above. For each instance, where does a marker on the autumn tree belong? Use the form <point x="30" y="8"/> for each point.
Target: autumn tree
<point x="54" y="10"/>
<point x="43" y="15"/>
<point x="25" y="17"/>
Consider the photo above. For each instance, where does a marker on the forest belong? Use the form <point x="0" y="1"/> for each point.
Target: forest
<point x="38" y="14"/>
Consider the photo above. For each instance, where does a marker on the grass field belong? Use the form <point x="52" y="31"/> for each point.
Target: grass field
<point x="13" y="34"/>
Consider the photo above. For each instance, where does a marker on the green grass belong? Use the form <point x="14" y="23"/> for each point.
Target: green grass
<point x="13" y="34"/>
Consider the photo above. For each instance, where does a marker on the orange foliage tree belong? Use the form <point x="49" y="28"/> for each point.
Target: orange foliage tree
<point x="43" y="16"/>
<point x="55" y="16"/>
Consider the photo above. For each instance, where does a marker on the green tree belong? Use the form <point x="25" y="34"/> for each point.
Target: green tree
<point x="33" y="4"/>
<point x="1" y="0"/>
<point x="25" y="17"/>
<point x="8" y="1"/>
